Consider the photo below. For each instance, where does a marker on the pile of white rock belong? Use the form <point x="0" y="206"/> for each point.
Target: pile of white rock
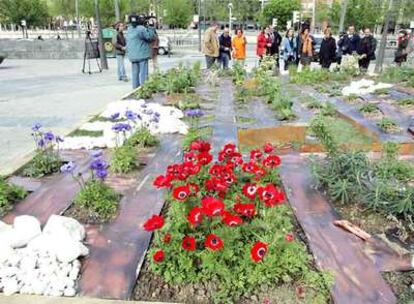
<point x="39" y="262"/>
<point x="363" y="87"/>
<point x="156" y="118"/>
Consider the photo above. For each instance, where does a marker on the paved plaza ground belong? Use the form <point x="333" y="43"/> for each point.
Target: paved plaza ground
<point x="56" y="94"/>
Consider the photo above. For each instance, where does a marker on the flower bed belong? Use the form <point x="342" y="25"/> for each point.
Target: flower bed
<point x="228" y="224"/>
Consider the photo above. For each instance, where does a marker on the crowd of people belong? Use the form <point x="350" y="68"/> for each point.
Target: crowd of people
<point x="295" y="49"/>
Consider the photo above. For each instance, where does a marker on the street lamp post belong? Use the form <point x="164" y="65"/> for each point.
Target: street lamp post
<point x="102" y="54"/>
<point x="199" y="25"/>
<point x="383" y="44"/>
<point x="230" y="14"/>
<point x="117" y="12"/>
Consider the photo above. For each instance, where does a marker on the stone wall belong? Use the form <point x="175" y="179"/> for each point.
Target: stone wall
<point x="42" y="49"/>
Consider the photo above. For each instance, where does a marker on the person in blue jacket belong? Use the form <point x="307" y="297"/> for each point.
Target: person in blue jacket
<point x="139" y="38"/>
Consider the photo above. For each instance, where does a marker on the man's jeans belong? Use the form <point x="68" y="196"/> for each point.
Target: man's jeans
<point x="225" y="59"/>
<point x="139" y="73"/>
<point x="121" y="67"/>
<point x="210" y="61"/>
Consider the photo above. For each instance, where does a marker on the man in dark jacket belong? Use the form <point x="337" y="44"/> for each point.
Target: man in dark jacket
<point x="366" y="49"/>
<point x="327" y="53"/>
<point x="225" y="48"/>
<point x="119" y="43"/>
<point x="349" y="43"/>
<point x="139" y="39"/>
<point x="276" y="39"/>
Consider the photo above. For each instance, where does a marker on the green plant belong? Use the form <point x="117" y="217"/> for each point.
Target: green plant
<point x="9" y="195"/>
<point x="387" y="125"/>
<point x="99" y="199"/>
<point x="328" y="110"/>
<point x="405" y="102"/>
<point x="382" y="91"/>
<point x="368" y="108"/>
<point x="351" y="98"/>
<point x="195" y="134"/>
<point x="314" y="104"/>
<point x="88" y="133"/>
<point x="47" y="159"/>
<point x="124" y="159"/>
<point x="404" y="75"/>
<point x="143" y="138"/>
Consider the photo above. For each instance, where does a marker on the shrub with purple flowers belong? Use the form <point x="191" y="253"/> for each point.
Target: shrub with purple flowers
<point x="96" y="199"/>
<point x="47" y="159"/>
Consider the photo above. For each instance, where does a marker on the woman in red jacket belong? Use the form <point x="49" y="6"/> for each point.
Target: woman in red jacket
<point x="263" y="41"/>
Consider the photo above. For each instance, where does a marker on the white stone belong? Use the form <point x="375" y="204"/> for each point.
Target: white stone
<point x="74" y="273"/>
<point x="64" y="226"/>
<point x="363" y="87"/>
<point x="4" y="226"/>
<point x="25" y="228"/>
<point x="6" y="251"/>
<point x="10" y="286"/>
<point x="69" y="292"/>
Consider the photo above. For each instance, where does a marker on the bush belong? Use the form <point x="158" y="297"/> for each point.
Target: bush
<point x="9" y="195"/>
<point x="124" y="159"/>
<point x="387" y="125"/>
<point x="100" y="200"/>
<point x="368" y="108"/>
<point x="350" y="177"/>
<point x="228" y="224"/>
<point x="398" y="75"/>
<point x="47" y="159"/>
<point x="143" y="138"/>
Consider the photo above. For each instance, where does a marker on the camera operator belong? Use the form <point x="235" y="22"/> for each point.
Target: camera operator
<point x="140" y="35"/>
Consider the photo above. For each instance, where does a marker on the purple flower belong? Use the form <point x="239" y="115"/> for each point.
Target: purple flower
<point x="68" y="168"/>
<point x="115" y="116"/>
<point x="98" y="164"/>
<point x="48" y="136"/>
<point x="155" y="119"/>
<point x="96" y="153"/>
<point x="131" y="115"/>
<point x="36" y="126"/>
<point x="194" y="113"/>
<point x="40" y="143"/>
<point x="102" y="173"/>
<point x="59" y="139"/>
<point x="157" y="114"/>
<point x="143" y="105"/>
<point x="121" y="127"/>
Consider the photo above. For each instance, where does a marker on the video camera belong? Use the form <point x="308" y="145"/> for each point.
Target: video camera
<point x="135" y="19"/>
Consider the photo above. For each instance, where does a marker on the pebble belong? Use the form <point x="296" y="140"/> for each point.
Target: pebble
<point x="37" y="262"/>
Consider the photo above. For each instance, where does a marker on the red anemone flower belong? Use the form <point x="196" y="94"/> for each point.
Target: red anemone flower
<point x="248" y="210"/>
<point x="272" y="161"/>
<point x="258" y="251"/>
<point x="289" y="237"/>
<point x="216" y="184"/>
<point x="213" y="242"/>
<point x="250" y="190"/>
<point x="212" y="206"/>
<point x="153" y="223"/>
<point x="190" y="157"/>
<point x="189" y="243"/>
<point x="162" y="181"/>
<point x="181" y="193"/>
<point x="229" y="149"/>
<point x="231" y="220"/>
<point x="256" y="155"/>
<point x="200" y="146"/>
<point x="268" y="148"/>
<point x="250" y="167"/>
<point x="204" y="158"/>
<point x="159" y="256"/>
<point x="167" y="238"/>
<point x="271" y="196"/>
<point x="194" y="188"/>
<point x="195" y="216"/>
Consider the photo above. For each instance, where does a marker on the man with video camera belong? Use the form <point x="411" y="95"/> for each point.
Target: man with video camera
<point x="141" y="33"/>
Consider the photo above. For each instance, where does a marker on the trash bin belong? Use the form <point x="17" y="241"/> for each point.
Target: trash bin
<point x="107" y="34"/>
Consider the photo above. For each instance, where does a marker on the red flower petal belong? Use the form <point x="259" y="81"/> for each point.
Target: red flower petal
<point x="268" y="148"/>
<point x="258" y="251"/>
<point x="195" y="216"/>
<point x="154" y="223"/>
<point x="181" y="193"/>
<point x="213" y="242"/>
<point x="189" y="243"/>
<point x="212" y="206"/>
<point x="159" y="256"/>
<point x="289" y="237"/>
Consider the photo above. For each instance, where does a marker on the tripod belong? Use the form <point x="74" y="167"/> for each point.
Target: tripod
<point x="91" y="51"/>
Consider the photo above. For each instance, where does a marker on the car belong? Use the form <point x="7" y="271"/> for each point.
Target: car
<point x="164" y="46"/>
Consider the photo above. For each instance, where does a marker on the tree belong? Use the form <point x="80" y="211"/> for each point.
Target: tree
<point x="280" y="9"/>
<point x="35" y="12"/>
<point x="245" y="10"/>
<point x="328" y="13"/>
<point x="178" y="12"/>
<point x="364" y="13"/>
